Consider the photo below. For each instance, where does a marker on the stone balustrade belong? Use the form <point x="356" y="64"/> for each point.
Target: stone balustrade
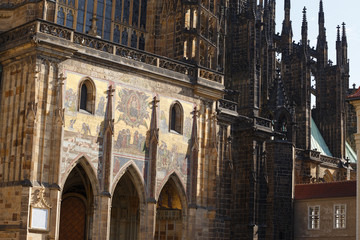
<point x="30" y="30"/>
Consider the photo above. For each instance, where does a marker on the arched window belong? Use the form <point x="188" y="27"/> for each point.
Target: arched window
<point x="176" y="118"/>
<point x="87" y="96"/>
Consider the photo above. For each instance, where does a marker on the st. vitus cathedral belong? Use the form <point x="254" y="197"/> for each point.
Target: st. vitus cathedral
<point x="165" y="119"/>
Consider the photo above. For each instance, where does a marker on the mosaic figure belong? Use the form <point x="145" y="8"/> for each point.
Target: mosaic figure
<point x="133" y="107"/>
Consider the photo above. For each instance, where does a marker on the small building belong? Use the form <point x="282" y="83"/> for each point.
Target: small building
<point x="325" y="211"/>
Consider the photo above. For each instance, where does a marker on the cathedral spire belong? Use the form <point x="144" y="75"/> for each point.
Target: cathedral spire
<point x="322" y="47"/>
<point x="344" y="45"/>
<point x="287" y="33"/>
<point x="338" y="47"/>
<point x="344" y="38"/>
<point x="304" y="28"/>
<point x="321" y="19"/>
<point x="287" y="8"/>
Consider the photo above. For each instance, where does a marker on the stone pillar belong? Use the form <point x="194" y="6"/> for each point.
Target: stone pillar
<point x="150" y="220"/>
<point x="280" y="170"/>
<point x="104" y="218"/>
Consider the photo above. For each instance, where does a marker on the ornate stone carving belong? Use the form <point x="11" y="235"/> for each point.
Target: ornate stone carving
<point x="39" y="200"/>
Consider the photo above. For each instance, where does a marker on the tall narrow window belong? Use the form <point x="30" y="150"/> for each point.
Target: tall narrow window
<point x="87" y="96"/>
<point x="124" y="37"/>
<point x="185" y="50"/>
<point x="314" y="217"/>
<point x="118" y="10"/>
<point x="142" y="42"/>
<point x="339" y="216"/>
<point x="80" y="16"/>
<point x="70" y="19"/>
<point x="89" y="14"/>
<point x="194" y="18"/>
<point x="99" y="16"/>
<point x="61" y="17"/>
<point x="135" y="16"/>
<point x="134" y="40"/>
<point x="176" y="118"/>
<point x="84" y="97"/>
<point x="107" y="25"/>
<point x="143" y="14"/>
<point x="116" y="38"/>
<point x="126" y="11"/>
<point x="187" y="19"/>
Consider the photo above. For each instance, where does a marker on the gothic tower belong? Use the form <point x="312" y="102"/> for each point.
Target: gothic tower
<point x="332" y="84"/>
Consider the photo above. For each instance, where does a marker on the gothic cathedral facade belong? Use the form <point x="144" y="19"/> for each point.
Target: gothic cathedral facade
<point x="196" y="108"/>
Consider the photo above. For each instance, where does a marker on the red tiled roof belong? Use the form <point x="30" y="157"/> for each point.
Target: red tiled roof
<point x="325" y="190"/>
<point x="355" y="95"/>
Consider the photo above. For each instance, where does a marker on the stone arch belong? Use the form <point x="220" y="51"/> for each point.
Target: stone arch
<point x="89" y="169"/>
<point x="171" y="217"/>
<point x="78" y="200"/>
<point x="138" y="180"/>
<point x="128" y="205"/>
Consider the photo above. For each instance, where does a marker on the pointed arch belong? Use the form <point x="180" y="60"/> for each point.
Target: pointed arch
<point x="136" y="178"/>
<point x="171" y="209"/>
<point x="128" y="205"/>
<point x="89" y="170"/>
<point x="78" y="197"/>
<point x="174" y="178"/>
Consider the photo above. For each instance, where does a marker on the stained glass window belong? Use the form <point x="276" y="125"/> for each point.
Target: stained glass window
<point x="126" y="11"/>
<point x="118" y="10"/>
<point x="134" y="40"/>
<point x="116" y="35"/>
<point x="69" y="19"/>
<point x="124" y="37"/>
<point x="143" y="14"/>
<point x="142" y="42"/>
<point x="99" y="16"/>
<point x="135" y="16"/>
<point x="89" y="14"/>
<point x="107" y="25"/>
<point x="121" y="21"/>
<point x="61" y="17"/>
<point x="80" y="16"/>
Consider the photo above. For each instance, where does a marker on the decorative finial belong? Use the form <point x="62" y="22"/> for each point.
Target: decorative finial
<point x="304" y="14"/>
<point x="338" y="33"/>
<point x="321" y="6"/>
<point x="344" y="29"/>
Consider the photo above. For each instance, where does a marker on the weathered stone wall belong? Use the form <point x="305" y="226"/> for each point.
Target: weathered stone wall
<point x="280" y="168"/>
<point x="15" y="13"/>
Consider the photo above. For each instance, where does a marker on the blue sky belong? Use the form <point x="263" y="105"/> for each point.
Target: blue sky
<point x="336" y="12"/>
